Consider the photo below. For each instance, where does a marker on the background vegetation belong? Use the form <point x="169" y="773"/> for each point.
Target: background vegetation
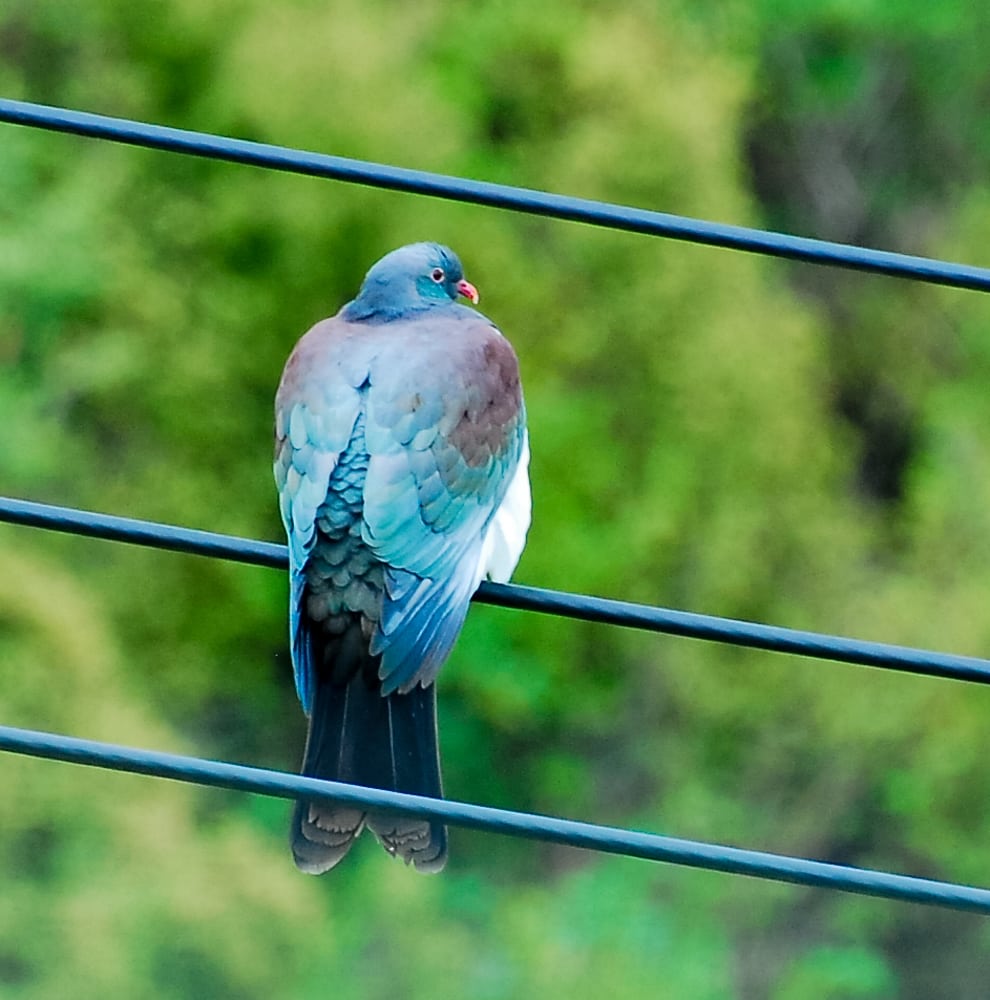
<point x="710" y="430"/>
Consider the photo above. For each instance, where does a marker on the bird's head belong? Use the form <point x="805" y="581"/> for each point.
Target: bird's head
<point x="414" y="277"/>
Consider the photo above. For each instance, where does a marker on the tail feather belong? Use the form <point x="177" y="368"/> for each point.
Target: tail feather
<point x="413" y="740"/>
<point x="358" y="736"/>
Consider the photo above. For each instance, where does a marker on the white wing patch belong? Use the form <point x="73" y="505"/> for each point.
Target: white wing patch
<point x="505" y="538"/>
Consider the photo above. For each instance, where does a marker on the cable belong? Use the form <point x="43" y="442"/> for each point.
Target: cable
<point x="149" y="533"/>
<point x="518" y="199"/>
<point x="773" y="638"/>
<point x="600" y="838"/>
<point x="610" y="840"/>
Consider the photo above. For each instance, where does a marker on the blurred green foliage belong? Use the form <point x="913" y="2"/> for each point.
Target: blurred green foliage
<point x="710" y="430"/>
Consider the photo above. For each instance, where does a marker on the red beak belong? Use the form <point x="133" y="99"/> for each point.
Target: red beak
<point x="465" y="288"/>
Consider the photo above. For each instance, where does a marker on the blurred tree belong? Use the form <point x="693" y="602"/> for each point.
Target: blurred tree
<point x="710" y="430"/>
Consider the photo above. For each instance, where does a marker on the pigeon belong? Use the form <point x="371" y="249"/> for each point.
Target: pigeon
<point x="401" y="462"/>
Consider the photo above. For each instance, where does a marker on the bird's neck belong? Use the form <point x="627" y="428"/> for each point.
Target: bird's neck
<point x="378" y="312"/>
<point x="385" y="309"/>
<point x="383" y="299"/>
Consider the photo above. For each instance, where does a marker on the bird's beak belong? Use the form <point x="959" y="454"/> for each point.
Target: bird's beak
<point x="465" y="288"/>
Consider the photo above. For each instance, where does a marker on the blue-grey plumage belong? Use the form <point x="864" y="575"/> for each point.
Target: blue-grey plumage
<point x="401" y="461"/>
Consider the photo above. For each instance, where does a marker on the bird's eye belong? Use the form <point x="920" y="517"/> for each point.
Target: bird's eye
<point x="437" y="274"/>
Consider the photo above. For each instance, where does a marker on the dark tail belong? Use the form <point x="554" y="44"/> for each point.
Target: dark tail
<point x="358" y="736"/>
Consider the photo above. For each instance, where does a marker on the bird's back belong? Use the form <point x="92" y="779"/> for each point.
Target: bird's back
<point x="396" y="444"/>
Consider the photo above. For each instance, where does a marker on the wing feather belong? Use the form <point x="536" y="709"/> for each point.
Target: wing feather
<point x="445" y="496"/>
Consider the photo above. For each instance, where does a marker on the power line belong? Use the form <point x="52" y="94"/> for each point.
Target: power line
<point x="518" y="199"/>
<point x="148" y="533"/>
<point x="610" y="840"/>
<point x="773" y="638"/>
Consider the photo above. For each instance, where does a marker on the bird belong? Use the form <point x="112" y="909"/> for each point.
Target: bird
<point x="401" y="464"/>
